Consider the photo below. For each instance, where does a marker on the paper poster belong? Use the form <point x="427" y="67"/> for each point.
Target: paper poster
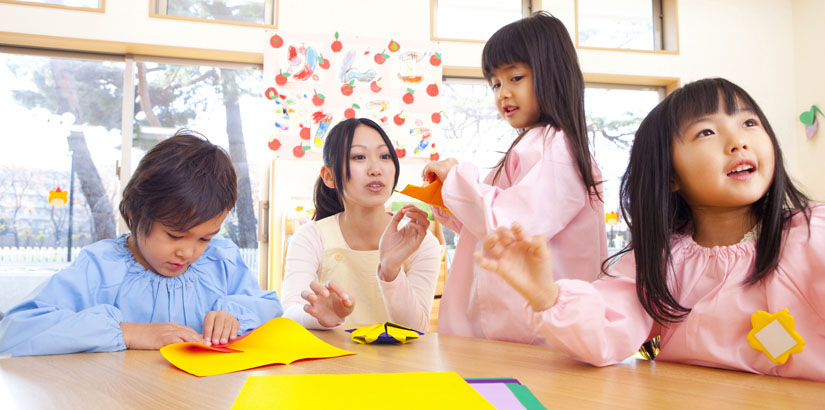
<point x="315" y="81"/>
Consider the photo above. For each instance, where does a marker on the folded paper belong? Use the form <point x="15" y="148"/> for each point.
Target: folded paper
<point x="387" y="332"/>
<point x="360" y="391"/>
<point x="430" y="194"/>
<point x="506" y="393"/>
<point x="279" y="341"/>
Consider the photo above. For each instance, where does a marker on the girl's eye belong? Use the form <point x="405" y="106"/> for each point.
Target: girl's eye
<point x="704" y="133"/>
<point x="173" y="236"/>
<point x="495" y="86"/>
<point x="750" y="123"/>
<point x="517" y="78"/>
<point x="205" y="239"/>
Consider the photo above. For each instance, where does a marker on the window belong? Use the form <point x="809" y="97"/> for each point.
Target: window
<point x="613" y="115"/>
<point x="243" y="11"/>
<point x="62" y="122"/>
<point x="88" y="4"/>
<point x="474" y="19"/>
<point x="474" y="132"/>
<point x="629" y="24"/>
<point x="62" y="118"/>
<point x="174" y="95"/>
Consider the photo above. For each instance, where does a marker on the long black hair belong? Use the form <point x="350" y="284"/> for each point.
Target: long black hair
<point x="329" y="201"/>
<point x="542" y="42"/>
<point x="653" y="213"/>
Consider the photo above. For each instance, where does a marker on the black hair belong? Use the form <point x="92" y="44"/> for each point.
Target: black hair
<point x="181" y="183"/>
<point x="542" y="42"/>
<point x="653" y="213"/>
<point x="337" y="147"/>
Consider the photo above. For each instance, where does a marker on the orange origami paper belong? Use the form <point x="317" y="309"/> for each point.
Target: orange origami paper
<point x="279" y="341"/>
<point x="430" y="194"/>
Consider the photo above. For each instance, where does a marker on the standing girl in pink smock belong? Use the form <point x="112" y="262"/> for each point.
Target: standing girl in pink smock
<point x="719" y="233"/>
<point x="547" y="181"/>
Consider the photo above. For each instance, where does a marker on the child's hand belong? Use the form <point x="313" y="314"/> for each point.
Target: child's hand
<point x="523" y="262"/>
<point x="397" y="245"/>
<point x="219" y="327"/>
<point x="438" y="169"/>
<point x="153" y="336"/>
<point x="329" y="304"/>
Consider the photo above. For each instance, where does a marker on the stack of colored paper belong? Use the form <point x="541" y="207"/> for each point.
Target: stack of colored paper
<point x="506" y="393"/>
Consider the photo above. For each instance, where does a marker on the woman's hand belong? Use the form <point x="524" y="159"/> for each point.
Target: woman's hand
<point x="398" y="244"/>
<point x="219" y="327"/>
<point x="522" y="262"/>
<point x="329" y="304"/>
<point x="438" y="169"/>
<point x="153" y="336"/>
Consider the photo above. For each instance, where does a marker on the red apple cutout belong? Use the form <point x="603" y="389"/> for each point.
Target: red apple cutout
<point x="323" y="62"/>
<point x="298" y="151"/>
<point x="434" y="156"/>
<point x="271" y="93"/>
<point x="336" y="45"/>
<point x="375" y="86"/>
<point x="380" y="58"/>
<point x="318" y="99"/>
<point x="304" y="133"/>
<point x="274" y="144"/>
<point x="435" y="59"/>
<point x="349" y="113"/>
<point x="276" y="41"/>
<point x="436" y="117"/>
<point x="401" y="152"/>
<point x="408" y="97"/>
<point x="398" y="119"/>
<point x="281" y="78"/>
<point x="432" y="90"/>
<point x="346" y="89"/>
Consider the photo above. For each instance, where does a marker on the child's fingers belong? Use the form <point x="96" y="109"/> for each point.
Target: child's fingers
<point x="319" y="289"/>
<point x="217" y="330"/>
<point x="234" y="331"/>
<point x="208" y="326"/>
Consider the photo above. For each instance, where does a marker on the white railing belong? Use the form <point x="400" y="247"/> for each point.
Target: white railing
<point x="49" y="255"/>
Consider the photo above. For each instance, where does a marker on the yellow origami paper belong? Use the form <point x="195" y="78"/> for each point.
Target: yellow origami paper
<point x="430" y="194"/>
<point x="387" y="332"/>
<point x="279" y="341"/>
<point x="360" y="391"/>
<point x="774" y="334"/>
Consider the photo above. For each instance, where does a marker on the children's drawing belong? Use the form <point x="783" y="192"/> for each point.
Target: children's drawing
<point x="314" y="81"/>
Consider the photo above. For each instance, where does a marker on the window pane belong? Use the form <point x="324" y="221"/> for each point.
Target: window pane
<point x="474" y="19"/>
<point x="71" y="3"/>
<point x="472" y="130"/>
<point x="616" y="24"/>
<point x="205" y="99"/>
<point x="248" y="11"/>
<point x="613" y="115"/>
<point x="61" y="122"/>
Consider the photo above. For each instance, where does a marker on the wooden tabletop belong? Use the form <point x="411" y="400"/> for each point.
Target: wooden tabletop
<point x="145" y="380"/>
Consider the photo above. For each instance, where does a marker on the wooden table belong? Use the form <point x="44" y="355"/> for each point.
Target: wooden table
<point x="145" y="380"/>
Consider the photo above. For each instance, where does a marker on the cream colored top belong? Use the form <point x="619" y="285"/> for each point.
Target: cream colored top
<point x="319" y="252"/>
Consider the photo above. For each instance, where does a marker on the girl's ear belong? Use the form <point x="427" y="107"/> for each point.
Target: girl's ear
<point x="328" y="177"/>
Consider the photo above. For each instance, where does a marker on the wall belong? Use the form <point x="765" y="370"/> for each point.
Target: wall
<point x="809" y="64"/>
<point x="766" y="46"/>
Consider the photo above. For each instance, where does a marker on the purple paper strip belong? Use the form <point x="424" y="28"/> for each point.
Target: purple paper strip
<point x="499" y="395"/>
<point x="508" y="380"/>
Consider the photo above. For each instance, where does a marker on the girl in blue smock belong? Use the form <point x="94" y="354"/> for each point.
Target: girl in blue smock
<point x="170" y="280"/>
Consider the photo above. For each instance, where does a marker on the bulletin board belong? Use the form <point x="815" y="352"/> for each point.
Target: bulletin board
<point x="314" y="81"/>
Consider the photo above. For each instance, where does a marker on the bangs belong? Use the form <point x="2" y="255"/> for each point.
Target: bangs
<point x="181" y="214"/>
<point x="703" y="97"/>
<point x="506" y="46"/>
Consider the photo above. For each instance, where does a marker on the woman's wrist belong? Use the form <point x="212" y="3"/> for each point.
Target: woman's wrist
<point x="545" y="298"/>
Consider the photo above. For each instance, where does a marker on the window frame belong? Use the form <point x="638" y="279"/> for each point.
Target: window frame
<point x="101" y="5"/>
<point x="527" y="8"/>
<point x="271" y="15"/>
<point x="665" y="28"/>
